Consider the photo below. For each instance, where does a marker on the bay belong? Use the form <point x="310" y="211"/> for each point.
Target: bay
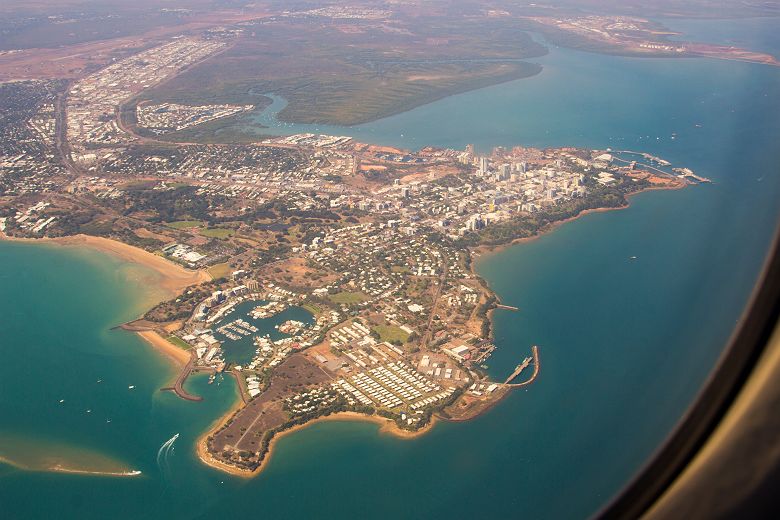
<point x="625" y="344"/>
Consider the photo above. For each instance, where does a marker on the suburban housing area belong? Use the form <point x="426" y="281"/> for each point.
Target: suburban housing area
<point x="341" y="274"/>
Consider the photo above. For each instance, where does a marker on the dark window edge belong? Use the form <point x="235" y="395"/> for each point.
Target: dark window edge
<point x="719" y="391"/>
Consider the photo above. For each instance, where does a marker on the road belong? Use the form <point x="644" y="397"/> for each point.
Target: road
<point x="434" y="307"/>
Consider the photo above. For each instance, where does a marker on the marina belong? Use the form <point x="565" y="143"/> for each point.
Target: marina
<point x="598" y="320"/>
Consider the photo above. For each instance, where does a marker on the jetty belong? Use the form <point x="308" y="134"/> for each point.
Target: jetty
<point x="534" y="360"/>
<point x="685" y="173"/>
<point x="688" y="174"/>
<point x="662" y="162"/>
<point x="507" y="307"/>
<point x="178" y="385"/>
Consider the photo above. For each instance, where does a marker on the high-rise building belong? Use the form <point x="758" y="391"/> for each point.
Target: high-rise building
<point x="475" y="222"/>
<point x="483" y="165"/>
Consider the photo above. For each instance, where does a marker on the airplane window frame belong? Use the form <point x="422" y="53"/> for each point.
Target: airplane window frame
<point x="734" y="367"/>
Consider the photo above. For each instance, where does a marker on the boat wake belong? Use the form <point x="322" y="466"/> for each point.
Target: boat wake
<point x="163" y="454"/>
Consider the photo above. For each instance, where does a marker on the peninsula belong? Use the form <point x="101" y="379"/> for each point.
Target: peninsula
<point x="329" y="277"/>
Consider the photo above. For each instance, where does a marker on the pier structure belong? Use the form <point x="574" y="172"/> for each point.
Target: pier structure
<point x="534" y="360"/>
<point x="178" y="385"/>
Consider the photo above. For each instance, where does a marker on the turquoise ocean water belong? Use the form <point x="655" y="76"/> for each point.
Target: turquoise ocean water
<point x="624" y="344"/>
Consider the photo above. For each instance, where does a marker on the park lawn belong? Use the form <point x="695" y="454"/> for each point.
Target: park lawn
<point x="314" y="309"/>
<point x="348" y="297"/>
<point x="179" y="342"/>
<point x="219" y="270"/>
<point x="136" y="184"/>
<point x="184" y="224"/>
<point x="391" y="333"/>
<point x="216" y="232"/>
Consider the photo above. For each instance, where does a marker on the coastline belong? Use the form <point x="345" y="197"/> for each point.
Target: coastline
<point x="173" y="277"/>
<point x="387" y="426"/>
<point x="177" y="356"/>
<point x="484" y="252"/>
<point x="481" y="253"/>
<point x="58" y="468"/>
<point x="529" y="70"/>
<point x="201" y="450"/>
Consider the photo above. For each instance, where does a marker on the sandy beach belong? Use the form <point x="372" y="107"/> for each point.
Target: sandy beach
<point x="387" y="426"/>
<point x="59" y="468"/>
<point x="170" y="279"/>
<point x="173" y="278"/>
<point x="178" y="356"/>
<point x="202" y="451"/>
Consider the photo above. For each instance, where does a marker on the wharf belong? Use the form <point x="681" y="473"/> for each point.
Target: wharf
<point x="522" y="366"/>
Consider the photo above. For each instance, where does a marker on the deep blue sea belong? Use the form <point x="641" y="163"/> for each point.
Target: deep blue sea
<point x="625" y="344"/>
